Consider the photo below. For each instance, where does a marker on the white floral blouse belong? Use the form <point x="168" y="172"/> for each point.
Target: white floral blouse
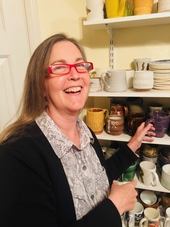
<point x="86" y="176"/>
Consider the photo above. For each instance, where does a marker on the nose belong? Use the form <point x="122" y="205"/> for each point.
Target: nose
<point x="73" y="75"/>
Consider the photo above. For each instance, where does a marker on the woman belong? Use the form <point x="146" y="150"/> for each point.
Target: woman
<point x="52" y="170"/>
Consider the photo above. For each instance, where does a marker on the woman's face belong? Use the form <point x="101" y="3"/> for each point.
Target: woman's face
<point x="66" y="94"/>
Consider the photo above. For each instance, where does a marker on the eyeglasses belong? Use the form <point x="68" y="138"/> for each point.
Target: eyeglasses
<point x="64" y="69"/>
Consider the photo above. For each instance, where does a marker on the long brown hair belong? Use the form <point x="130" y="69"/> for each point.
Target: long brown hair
<point x="33" y="102"/>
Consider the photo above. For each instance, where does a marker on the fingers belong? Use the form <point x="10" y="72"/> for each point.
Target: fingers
<point x="134" y="182"/>
<point x="118" y="192"/>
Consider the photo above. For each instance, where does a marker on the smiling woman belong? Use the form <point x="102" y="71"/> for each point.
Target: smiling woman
<point x="51" y="163"/>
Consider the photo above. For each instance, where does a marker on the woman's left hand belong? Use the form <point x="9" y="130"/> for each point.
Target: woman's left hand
<point x="143" y="133"/>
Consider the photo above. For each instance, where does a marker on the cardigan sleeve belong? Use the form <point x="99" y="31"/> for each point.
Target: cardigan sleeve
<point x="117" y="163"/>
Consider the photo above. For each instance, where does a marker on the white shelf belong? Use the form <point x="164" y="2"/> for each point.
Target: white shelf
<point x="158" y="187"/>
<point x="140" y="185"/>
<point x="130" y="21"/>
<point x="132" y="93"/>
<point x="125" y="138"/>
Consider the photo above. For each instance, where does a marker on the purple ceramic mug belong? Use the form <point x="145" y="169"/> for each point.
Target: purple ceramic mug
<point x="160" y="121"/>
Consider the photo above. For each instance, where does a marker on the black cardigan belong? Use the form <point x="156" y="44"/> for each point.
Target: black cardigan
<point x="34" y="190"/>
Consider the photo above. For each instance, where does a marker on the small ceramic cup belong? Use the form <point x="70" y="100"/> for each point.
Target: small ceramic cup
<point x="95" y="119"/>
<point x="133" y="120"/>
<point x="165" y="177"/>
<point x="141" y="64"/>
<point x="151" y="218"/>
<point x="95" y="84"/>
<point x="160" y="121"/>
<point x="155" y="107"/>
<point x="167" y="217"/>
<point x="135" y="216"/>
<point x="148" y="175"/>
<point x="118" y="109"/>
<point x="129" y="174"/>
<point x="149" y="199"/>
<point x="165" y="201"/>
<point x="135" y="104"/>
<point x="115" y="124"/>
<point x="150" y="152"/>
<point x="143" y="80"/>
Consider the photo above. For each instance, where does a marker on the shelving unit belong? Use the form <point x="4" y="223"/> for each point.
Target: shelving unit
<point x="158" y="188"/>
<point x="132" y="93"/>
<point x="130" y="21"/>
<point x="127" y="22"/>
<point x="125" y="138"/>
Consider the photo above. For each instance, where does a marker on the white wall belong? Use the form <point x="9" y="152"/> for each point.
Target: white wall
<point x="68" y="15"/>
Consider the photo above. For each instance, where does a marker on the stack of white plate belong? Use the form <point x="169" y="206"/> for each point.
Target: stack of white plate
<point x="161" y="69"/>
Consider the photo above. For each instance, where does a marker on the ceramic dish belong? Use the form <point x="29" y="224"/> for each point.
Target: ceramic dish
<point x="162" y="79"/>
<point x="167" y="75"/>
<point x="159" y="70"/>
<point x="162" y="88"/>
<point x="160" y="64"/>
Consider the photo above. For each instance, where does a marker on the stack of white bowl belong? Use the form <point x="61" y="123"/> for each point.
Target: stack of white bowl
<point x="161" y="69"/>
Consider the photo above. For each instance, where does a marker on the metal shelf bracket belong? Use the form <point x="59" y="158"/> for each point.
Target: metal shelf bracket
<point x="111" y="46"/>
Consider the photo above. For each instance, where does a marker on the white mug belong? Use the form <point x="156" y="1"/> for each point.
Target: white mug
<point x="94" y="9"/>
<point x="151" y="218"/>
<point x="148" y="174"/>
<point x="163" y="6"/>
<point x="165" y="177"/>
<point x="167" y="217"/>
<point x="95" y="84"/>
<point x="143" y="80"/>
<point x="114" y="80"/>
<point x="134" y="216"/>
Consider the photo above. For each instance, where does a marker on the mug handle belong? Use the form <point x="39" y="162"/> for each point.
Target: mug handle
<point x="126" y="110"/>
<point x="155" y="180"/>
<point x="142" y="222"/>
<point x="130" y="221"/>
<point x="106" y="114"/>
<point x="103" y="75"/>
<point x="167" y="222"/>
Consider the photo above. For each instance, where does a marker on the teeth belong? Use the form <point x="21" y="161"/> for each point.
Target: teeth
<point x="73" y="89"/>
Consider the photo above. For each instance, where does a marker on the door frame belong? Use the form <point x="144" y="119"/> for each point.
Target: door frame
<point x="33" y="24"/>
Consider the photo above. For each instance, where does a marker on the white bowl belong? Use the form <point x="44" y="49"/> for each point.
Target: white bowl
<point x="148" y="197"/>
<point x="160" y="64"/>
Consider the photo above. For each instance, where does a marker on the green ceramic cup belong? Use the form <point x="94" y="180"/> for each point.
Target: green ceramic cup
<point x="129" y="174"/>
